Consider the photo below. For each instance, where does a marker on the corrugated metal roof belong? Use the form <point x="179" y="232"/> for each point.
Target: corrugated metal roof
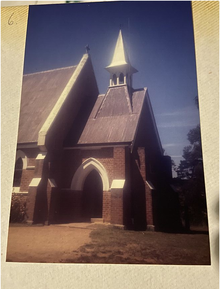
<point x="97" y="105"/>
<point x="116" y="102"/>
<point x="112" y="120"/>
<point x="40" y="92"/>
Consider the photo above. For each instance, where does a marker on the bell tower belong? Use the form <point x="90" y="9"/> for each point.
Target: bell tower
<point x="120" y="68"/>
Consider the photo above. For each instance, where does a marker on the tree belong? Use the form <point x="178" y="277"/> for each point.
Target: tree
<point x="191" y="170"/>
<point x="192" y="155"/>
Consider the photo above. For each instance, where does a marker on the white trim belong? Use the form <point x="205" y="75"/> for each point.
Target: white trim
<point x="41" y="156"/>
<point x="83" y="171"/>
<point x="52" y="183"/>
<point x="117" y="184"/>
<point x="16" y="190"/>
<point x="150" y="185"/>
<point x="35" y="182"/>
<point x="30" y="168"/>
<point x="21" y="154"/>
<point x="54" y="112"/>
<point x="20" y="193"/>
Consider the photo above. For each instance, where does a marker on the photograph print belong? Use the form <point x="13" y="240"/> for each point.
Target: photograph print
<point x="109" y="164"/>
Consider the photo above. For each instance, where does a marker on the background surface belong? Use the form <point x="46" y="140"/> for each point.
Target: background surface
<point x="205" y="16"/>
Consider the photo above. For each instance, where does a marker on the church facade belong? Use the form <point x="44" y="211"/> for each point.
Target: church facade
<point x="84" y="156"/>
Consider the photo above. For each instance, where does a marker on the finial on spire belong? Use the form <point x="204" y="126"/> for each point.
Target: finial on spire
<point x="87" y="48"/>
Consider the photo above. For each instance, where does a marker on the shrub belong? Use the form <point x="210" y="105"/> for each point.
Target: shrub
<point x="18" y="209"/>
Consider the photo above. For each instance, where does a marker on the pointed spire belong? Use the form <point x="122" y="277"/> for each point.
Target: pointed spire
<point x="120" y="57"/>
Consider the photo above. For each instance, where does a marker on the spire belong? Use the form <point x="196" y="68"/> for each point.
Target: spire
<point x="120" y="56"/>
<point x="120" y="68"/>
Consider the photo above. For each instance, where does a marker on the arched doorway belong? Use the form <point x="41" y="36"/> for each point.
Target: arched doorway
<point x="88" y="184"/>
<point x="92" y="196"/>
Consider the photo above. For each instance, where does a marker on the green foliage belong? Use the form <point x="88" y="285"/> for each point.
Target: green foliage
<point x="192" y="155"/>
<point x="18" y="209"/>
<point x="194" y="136"/>
<point x="191" y="171"/>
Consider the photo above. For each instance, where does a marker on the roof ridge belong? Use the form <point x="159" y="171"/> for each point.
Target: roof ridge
<point x="50" y="70"/>
<point x="130" y="108"/>
<point x="102" y="103"/>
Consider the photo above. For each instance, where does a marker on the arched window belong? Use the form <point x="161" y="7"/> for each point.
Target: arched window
<point x="18" y="172"/>
<point x="114" y="79"/>
<point x="121" y="78"/>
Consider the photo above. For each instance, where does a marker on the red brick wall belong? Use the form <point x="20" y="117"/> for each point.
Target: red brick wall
<point x="148" y="192"/>
<point x="106" y="211"/>
<point x="117" y="206"/>
<point x="119" y="163"/>
<point x="149" y="206"/>
<point x="141" y="154"/>
<point x="72" y="159"/>
<point x="26" y="178"/>
<point x="28" y="174"/>
<point x="37" y="202"/>
<point x="113" y="160"/>
<point x="117" y="195"/>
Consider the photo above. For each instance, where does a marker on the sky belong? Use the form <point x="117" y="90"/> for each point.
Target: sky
<point x="160" y="44"/>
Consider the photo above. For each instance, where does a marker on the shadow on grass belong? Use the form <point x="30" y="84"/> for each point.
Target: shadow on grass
<point x="113" y="246"/>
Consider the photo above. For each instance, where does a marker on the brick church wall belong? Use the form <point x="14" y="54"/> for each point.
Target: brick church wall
<point x="117" y="195"/>
<point x="119" y="163"/>
<point x="107" y="207"/>
<point x="117" y="206"/>
<point x="26" y="178"/>
<point x="113" y="160"/>
<point x="72" y="159"/>
<point x="28" y="173"/>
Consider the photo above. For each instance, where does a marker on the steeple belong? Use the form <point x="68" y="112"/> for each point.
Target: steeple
<point x="120" y="68"/>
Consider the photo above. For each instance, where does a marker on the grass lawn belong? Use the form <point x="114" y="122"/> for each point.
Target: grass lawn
<point x="117" y="246"/>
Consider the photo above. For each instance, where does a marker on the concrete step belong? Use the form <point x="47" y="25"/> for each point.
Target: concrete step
<point x="96" y="220"/>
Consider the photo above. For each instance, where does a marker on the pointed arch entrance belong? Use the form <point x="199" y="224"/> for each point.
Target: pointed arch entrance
<point x="92" y="196"/>
<point x="91" y="180"/>
<point x="82" y="172"/>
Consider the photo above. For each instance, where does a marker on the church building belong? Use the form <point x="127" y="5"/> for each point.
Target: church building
<point x="89" y="157"/>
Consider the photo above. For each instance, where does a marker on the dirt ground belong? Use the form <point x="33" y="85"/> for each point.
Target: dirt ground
<point x="47" y="244"/>
<point x="98" y="243"/>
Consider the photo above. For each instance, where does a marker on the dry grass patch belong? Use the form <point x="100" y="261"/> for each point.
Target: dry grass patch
<point x="116" y="246"/>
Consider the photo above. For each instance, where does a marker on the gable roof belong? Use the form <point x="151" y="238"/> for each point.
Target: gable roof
<point x="40" y="92"/>
<point x="112" y="119"/>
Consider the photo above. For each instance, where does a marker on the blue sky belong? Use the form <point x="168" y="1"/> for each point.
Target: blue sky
<point x="160" y="44"/>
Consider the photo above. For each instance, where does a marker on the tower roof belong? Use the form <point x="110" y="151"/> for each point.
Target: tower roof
<point x="120" y="58"/>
